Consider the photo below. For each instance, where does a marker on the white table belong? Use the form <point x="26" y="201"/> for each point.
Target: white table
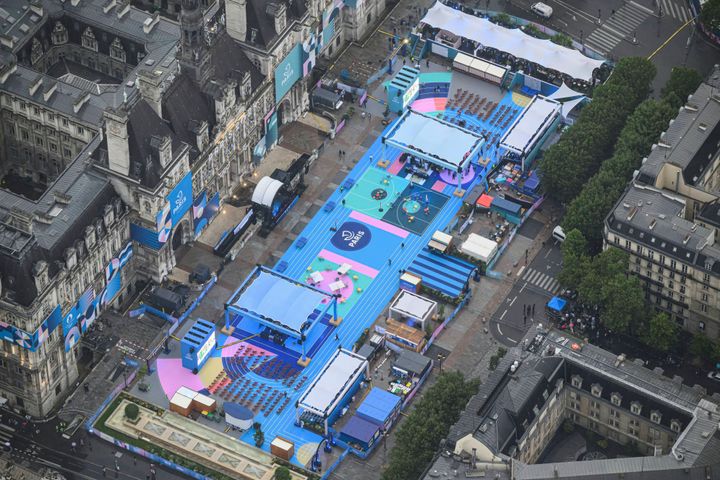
<point x="344" y="269"/>
<point x="316" y="277"/>
<point x="335" y="286"/>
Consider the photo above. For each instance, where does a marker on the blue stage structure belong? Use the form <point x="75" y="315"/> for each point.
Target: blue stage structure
<point x="280" y="304"/>
<point x="197" y="344"/>
<point x="403" y="89"/>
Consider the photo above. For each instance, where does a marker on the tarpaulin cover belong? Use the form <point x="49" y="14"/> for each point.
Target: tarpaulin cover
<point x="334" y="381"/>
<point x="507" y="205"/>
<point x="512" y="41"/>
<point x="557" y="304"/>
<point x="484" y="201"/>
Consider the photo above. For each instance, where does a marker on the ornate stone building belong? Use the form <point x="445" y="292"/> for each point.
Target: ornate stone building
<point x="115" y="121"/>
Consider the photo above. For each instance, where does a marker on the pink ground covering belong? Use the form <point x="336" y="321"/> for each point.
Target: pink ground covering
<point x="329" y="276"/>
<point x="378" y="224"/>
<point x="339" y="259"/>
<point x="395" y="167"/>
<point x="439" y="186"/>
<point x="173" y="376"/>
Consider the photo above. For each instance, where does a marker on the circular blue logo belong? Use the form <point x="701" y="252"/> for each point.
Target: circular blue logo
<point x="351" y="236"/>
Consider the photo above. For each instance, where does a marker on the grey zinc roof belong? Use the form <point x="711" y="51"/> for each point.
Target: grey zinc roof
<point x="18" y="21"/>
<point x="684" y="138"/>
<point x="77" y="182"/>
<point x="641" y="207"/>
<point x="64" y="97"/>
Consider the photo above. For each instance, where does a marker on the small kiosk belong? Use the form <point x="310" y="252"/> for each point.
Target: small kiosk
<point x="403" y="89"/>
<point x="197" y="344"/>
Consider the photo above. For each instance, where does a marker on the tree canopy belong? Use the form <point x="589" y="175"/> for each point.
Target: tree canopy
<point x="661" y="332"/>
<point x="710" y="14"/>
<point x="568" y="164"/>
<point x="683" y="81"/>
<point x="418" y="438"/>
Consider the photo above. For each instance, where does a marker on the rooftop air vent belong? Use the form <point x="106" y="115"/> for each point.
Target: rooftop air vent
<point x="653" y="223"/>
<point x="702" y="127"/>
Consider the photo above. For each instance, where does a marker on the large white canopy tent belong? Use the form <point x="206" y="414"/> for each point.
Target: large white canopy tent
<point x="530" y="126"/>
<point x="435" y="141"/>
<point x="337" y="378"/>
<point x="512" y="41"/>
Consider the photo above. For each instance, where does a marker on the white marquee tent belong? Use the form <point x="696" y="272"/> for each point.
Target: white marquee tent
<point x="512" y="41"/>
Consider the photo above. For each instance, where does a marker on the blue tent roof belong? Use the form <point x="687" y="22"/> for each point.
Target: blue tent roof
<point x="444" y="273"/>
<point x="504" y="204"/>
<point x="238" y="411"/>
<point x="378" y="406"/>
<point x="557" y="304"/>
<point x="359" y="429"/>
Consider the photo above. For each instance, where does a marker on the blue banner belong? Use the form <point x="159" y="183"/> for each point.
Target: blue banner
<point x="204" y="211"/>
<point x="145" y="236"/>
<point x="177" y="203"/>
<point x="271" y="131"/>
<point x="288" y="72"/>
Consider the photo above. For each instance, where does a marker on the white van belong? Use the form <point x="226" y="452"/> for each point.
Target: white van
<point x="558" y="234"/>
<point x="542" y="9"/>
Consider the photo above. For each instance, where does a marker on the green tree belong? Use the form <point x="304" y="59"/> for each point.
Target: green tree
<point x="575" y="259"/>
<point x="259" y="435"/>
<point x="702" y="347"/>
<point x="562" y="39"/>
<point x="132" y="411"/>
<point x="624" y="304"/>
<point x="429" y="422"/>
<point x="282" y="473"/>
<point x="710" y="14"/>
<point x="567" y="165"/>
<point x="661" y="332"/>
<point x="683" y="81"/>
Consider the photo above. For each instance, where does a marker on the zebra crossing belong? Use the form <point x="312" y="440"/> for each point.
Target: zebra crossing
<point x="621" y="25"/>
<point x="678" y="12"/>
<point x="541" y="280"/>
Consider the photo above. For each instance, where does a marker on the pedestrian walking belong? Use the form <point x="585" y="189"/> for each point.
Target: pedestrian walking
<point x="104" y="470"/>
<point x="82" y="440"/>
<point x="389" y="261"/>
<point x="337" y="337"/>
<point x="73" y="447"/>
<point x="427" y="63"/>
<point x="402" y="245"/>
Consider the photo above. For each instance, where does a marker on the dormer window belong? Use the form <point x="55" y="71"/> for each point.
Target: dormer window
<point x="596" y="390"/>
<point x="59" y="35"/>
<point x="576" y="381"/>
<point x="253" y="35"/>
<point x="116" y="50"/>
<point x="616" y="399"/>
<point x="635" y="408"/>
<point x="675" y="425"/>
<point x="88" y="40"/>
<point x="655" y="416"/>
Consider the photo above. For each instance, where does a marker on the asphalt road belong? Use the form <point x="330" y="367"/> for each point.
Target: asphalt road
<point x="37" y="445"/>
<point x="534" y="285"/>
<point x="620" y="28"/>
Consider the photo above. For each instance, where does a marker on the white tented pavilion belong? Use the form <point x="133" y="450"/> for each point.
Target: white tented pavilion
<point x="530" y="126"/>
<point x="513" y="41"/>
<point x="435" y="141"/>
<point x="330" y="389"/>
<point x="408" y="305"/>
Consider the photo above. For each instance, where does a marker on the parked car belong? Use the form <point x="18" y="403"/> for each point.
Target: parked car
<point x="714" y="376"/>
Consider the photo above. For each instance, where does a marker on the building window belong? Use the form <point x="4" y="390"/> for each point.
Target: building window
<point x="635" y="408"/>
<point x="88" y="40"/>
<point x="596" y="390"/>
<point x="701" y="326"/>
<point x="673" y="264"/>
<point x="616" y="399"/>
<point x="628" y="245"/>
<point x="704" y="297"/>
<point x="117" y="51"/>
<point x="703" y="308"/>
<point x="80" y="130"/>
<point x="576" y="381"/>
<point x="64" y="122"/>
<point x="67" y="152"/>
<point x="59" y="34"/>
<point x="706" y="278"/>
<point x="675" y="425"/>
